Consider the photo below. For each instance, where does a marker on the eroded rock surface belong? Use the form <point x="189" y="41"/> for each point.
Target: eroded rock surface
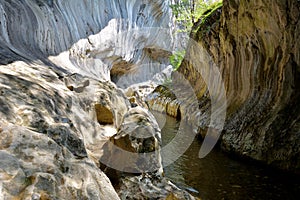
<point x="47" y="132"/>
<point x="58" y="106"/>
<point x="255" y="45"/>
<point x="33" y="166"/>
<point x="162" y="99"/>
<point x="136" y="146"/>
<point x="156" y="187"/>
<point x="94" y="38"/>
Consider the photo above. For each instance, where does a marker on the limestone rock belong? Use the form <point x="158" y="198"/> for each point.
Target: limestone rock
<point x="58" y="106"/>
<point x="162" y="99"/>
<point x="256" y="48"/>
<point x="89" y="37"/>
<point x="33" y="166"/>
<point x="144" y="186"/>
<point x="135" y="148"/>
<point x="104" y="115"/>
<point x="53" y="136"/>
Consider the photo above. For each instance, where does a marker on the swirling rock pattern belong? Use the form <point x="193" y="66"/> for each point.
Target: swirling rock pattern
<point x="56" y="59"/>
<point x="123" y="34"/>
<point x="256" y="47"/>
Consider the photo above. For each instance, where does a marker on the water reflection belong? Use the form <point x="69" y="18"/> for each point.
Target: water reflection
<point x="219" y="177"/>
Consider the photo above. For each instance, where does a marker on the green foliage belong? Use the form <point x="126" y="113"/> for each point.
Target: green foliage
<point x="176" y="59"/>
<point x="213" y="7"/>
<point x="210" y="10"/>
<point x="182" y="11"/>
<point x="187" y="12"/>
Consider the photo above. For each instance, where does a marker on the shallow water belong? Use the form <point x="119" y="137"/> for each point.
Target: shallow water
<point x="218" y="176"/>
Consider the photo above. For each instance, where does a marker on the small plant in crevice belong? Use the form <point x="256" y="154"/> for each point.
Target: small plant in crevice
<point x="176" y="59"/>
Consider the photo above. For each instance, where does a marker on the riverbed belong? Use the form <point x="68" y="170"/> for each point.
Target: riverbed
<point x="220" y="176"/>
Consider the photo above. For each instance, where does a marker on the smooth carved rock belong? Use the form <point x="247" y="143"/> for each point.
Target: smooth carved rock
<point x="90" y="37"/>
<point x="56" y="58"/>
<point x="256" y="48"/>
<point x="162" y="99"/>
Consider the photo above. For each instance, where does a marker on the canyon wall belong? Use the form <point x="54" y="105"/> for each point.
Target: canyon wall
<point x="255" y="45"/>
<point x="102" y="36"/>
<point x="58" y="107"/>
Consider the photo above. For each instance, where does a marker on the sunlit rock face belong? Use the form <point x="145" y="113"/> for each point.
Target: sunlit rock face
<point x="50" y="136"/>
<point x="99" y="35"/>
<point x="58" y="106"/>
<point x="255" y="45"/>
<point x="163" y="100"/>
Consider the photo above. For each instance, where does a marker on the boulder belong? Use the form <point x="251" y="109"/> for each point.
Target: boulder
<point x="135" y="147"/>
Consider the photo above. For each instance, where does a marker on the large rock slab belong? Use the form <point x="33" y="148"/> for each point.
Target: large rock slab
<point x="33" y="166"/>
<point x="255" y="46"/>
<point x="48" y="134"/>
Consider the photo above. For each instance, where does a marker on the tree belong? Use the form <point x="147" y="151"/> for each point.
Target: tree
<point x="187" y="12"/>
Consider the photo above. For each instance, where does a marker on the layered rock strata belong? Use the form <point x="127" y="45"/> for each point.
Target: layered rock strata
<point x="101" y="35"/>
<point x="58" y="107"/>
<point x="255" y="46"/>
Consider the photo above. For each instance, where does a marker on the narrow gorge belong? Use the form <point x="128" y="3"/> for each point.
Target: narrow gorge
<point x="255" y="47"/>
<point x="80" y="78"/>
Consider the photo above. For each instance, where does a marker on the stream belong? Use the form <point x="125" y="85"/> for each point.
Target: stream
<point x="219" y="176"/>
